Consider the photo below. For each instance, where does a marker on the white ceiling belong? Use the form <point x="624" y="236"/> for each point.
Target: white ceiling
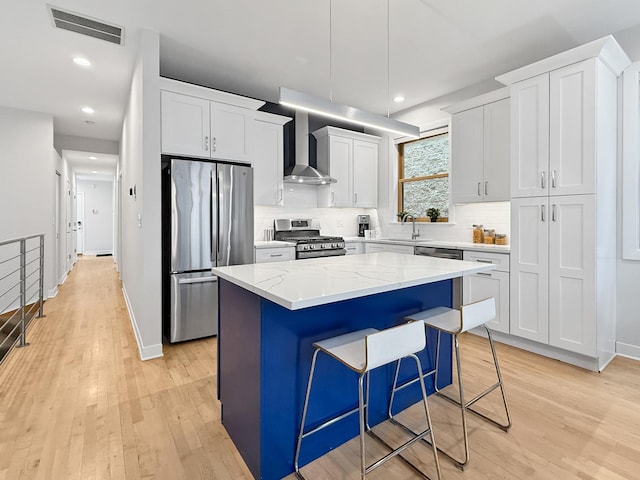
<point x="251" y="47"/>
<point x="91" y="164"/>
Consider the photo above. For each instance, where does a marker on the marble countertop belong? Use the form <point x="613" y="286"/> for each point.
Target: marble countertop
<point x="478" y="247"/>
<point x="296" y="284"/>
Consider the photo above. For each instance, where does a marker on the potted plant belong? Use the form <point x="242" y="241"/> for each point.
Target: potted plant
<point x="402" y="214"/>
<point x="433" y="214"/>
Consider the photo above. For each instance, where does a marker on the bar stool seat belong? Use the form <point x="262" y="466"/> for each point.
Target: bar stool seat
<point x="455" y="322"/>
<point x="363" y="351"/>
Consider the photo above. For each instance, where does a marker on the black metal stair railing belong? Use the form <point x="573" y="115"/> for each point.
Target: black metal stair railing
<point x="21" y="289"/>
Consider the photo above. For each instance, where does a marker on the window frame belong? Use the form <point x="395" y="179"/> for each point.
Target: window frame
<point x="440" y="130"/>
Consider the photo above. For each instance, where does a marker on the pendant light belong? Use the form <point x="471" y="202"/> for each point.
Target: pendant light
<point x="321" y="106"/>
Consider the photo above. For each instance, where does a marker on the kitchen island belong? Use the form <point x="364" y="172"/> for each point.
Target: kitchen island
<point x="269" y="317"/>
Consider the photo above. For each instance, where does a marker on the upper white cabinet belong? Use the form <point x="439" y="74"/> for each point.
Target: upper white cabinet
<point x="267" y="158"/>
<point x="563" y="230"/>
<point x="557" y="117"/>
<point x="202" y="122"/>
<point x="352" y="159"/>
<point x="480" y="161"/>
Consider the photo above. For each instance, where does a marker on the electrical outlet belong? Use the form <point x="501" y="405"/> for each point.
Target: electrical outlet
<point x="340" y="222"/>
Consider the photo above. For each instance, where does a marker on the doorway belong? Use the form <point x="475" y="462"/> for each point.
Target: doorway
<point x="80" y="222"/>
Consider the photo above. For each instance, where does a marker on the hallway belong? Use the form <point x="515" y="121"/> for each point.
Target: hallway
<point x="79" y="404"/>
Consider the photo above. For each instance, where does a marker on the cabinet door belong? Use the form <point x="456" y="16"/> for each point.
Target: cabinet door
<point x="467" y="139"/>
<point x="365" y="174"/>
<point x="485" y="285"/>
<point x="497" y="160"/>
<point x="572" y="140"/>
<point x="276" y="254"/>
<point x="354" y="248"/>
<point x="229" y="132"/>
<point x="572" y="259"/>
<point x="185" y="124"/>
<point x="529" y="269"/>
<point x="267" y="162"/>
<point x="341" y="168"/>
<point x="530" y="137"/>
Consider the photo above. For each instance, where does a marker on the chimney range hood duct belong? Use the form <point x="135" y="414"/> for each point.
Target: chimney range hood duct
<point x="302" y="172"/>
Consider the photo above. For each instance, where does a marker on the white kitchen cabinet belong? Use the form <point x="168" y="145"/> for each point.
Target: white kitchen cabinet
<point x="199" y="127"/>
<point x="352" y="159"/>
<point x="267" y="158"/>
<point x="495" y="284"/>
<point x="275" y="254"/>
<point x="354" y="248"/>
<point x="554" y="132"/>
<point x="480" y="162"/>
<point x="554" y="271"/>
<point x="563" y="234"/>
<point x="388" y="247"/>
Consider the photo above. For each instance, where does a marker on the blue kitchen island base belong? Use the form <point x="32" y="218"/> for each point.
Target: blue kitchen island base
<point x="264" y="357"/>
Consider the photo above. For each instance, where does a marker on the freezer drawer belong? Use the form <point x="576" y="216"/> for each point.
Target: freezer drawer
<point x="194" y="306"/>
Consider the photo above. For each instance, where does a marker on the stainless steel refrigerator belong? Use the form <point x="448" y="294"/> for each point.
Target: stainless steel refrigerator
<point x="211" y="225"/>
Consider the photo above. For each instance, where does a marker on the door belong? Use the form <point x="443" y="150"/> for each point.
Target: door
<point x="572" y="259"/>
<point x="490" y="284"/>
<point x="185" y="124"/>
<point x="530" y="137"/>
<point x="194" y="306"/>
<point x="341" y="168"/>
<point x="234" y="235"/>
<point x="530" y="269"/>
<point x="68" y="220"/>
<point x="268" y="163"/>
<point x="572" y="155"/>
<point x="80" y="222"/>
<point x="497" y="160"/>
<point x="467" y="140"/>
<point x="59" y="229"/>
<point x="229" y="132"/>
<point x="191" y="215"/>
<point x="365" y="174"/>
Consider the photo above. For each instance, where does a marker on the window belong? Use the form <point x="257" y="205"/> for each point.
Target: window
<point x="423" y="176"/>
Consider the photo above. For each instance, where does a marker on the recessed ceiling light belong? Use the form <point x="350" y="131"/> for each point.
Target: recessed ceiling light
<point x="94" y="171"/>
<point x="88" y="110"/>
<point x="93" y="158"/>
<point x="83" y="62"/>
<point x="89" y="122"/>
<point x="398" y="99"/>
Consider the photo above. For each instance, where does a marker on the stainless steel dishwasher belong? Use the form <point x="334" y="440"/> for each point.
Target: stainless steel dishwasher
<point x="452" y="254"/>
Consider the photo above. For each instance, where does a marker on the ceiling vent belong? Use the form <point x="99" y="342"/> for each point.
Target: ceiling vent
<point x="86" y="26"/>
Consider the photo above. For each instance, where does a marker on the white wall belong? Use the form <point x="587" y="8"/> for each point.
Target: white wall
<point x="98" y="215"/>
<point x="140" y="167"/>
<point x="27" y="189"/>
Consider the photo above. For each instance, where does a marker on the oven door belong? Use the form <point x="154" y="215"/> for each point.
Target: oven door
<point x="334" y="252"/>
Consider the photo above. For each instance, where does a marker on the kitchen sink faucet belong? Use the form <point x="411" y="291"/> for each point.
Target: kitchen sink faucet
<point x="414" y="234"/>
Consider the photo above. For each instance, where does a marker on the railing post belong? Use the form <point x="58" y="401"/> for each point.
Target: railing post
<point x="23" y="291"/>
<point x="41" y="286"/>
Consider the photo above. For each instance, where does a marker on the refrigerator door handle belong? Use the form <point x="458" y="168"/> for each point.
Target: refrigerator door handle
<point x="211" y="222"/>
<point x="183" y="281"/>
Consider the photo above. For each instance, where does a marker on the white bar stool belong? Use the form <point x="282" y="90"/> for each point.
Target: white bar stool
<point x="455" y="322"/>
<point x="363" y="351"/>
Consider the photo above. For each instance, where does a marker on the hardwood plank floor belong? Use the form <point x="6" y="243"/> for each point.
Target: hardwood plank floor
<point x="79" y="404"/>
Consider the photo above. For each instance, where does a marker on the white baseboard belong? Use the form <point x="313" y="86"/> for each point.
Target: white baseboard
<point x="145" y="352"/>
<point x="629" y="351"/>
<point x="99" y="252"/>
<point x="53" y="292"/>
<point x="63" y="279"/>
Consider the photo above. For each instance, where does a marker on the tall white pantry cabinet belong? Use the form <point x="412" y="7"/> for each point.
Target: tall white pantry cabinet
<point x="563" y="188"/>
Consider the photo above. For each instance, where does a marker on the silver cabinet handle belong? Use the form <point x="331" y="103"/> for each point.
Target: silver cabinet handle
<point x="479" y="194"/>
<point x="542" y="212"/>
<point x="214" y="143"/>
<point x="206" y="143"/>
<point x="553" y="212"/>
<point x="542" y="180"/>
<point x="553" y="178"/>
<point x="333" y="198"/>
<point x="280" y="196"/>
<point x="356" y="198"/>
<point x="484" y="274"/>
<point x="486" y="188"/>
<point x="483" y="261"/>
<point x="273" y="255"/>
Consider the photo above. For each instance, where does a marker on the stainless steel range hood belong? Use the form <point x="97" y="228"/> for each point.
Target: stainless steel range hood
<point x="302" y="172"/>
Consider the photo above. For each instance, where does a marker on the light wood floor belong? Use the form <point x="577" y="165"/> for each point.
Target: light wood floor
<point x="79" y="404"/>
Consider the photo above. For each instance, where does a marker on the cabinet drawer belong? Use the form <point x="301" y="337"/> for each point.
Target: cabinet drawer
<point x="501" y="260"/>
<point x="388" y="247"/>
<point x="278" y="254"/>
<point x="354" y="248"/>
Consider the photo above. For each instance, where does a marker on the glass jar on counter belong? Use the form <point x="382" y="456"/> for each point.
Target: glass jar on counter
<point x="501" y="239"/>
<point x="477" y="234"/>
<point x="489" y="235"/>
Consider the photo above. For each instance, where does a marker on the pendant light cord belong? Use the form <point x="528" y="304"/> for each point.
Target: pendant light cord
<point x="330" y="53"/>
<point x="388" y="61"/>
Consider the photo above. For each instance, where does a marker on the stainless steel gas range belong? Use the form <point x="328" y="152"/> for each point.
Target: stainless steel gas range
<point x="305" y="232"/>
